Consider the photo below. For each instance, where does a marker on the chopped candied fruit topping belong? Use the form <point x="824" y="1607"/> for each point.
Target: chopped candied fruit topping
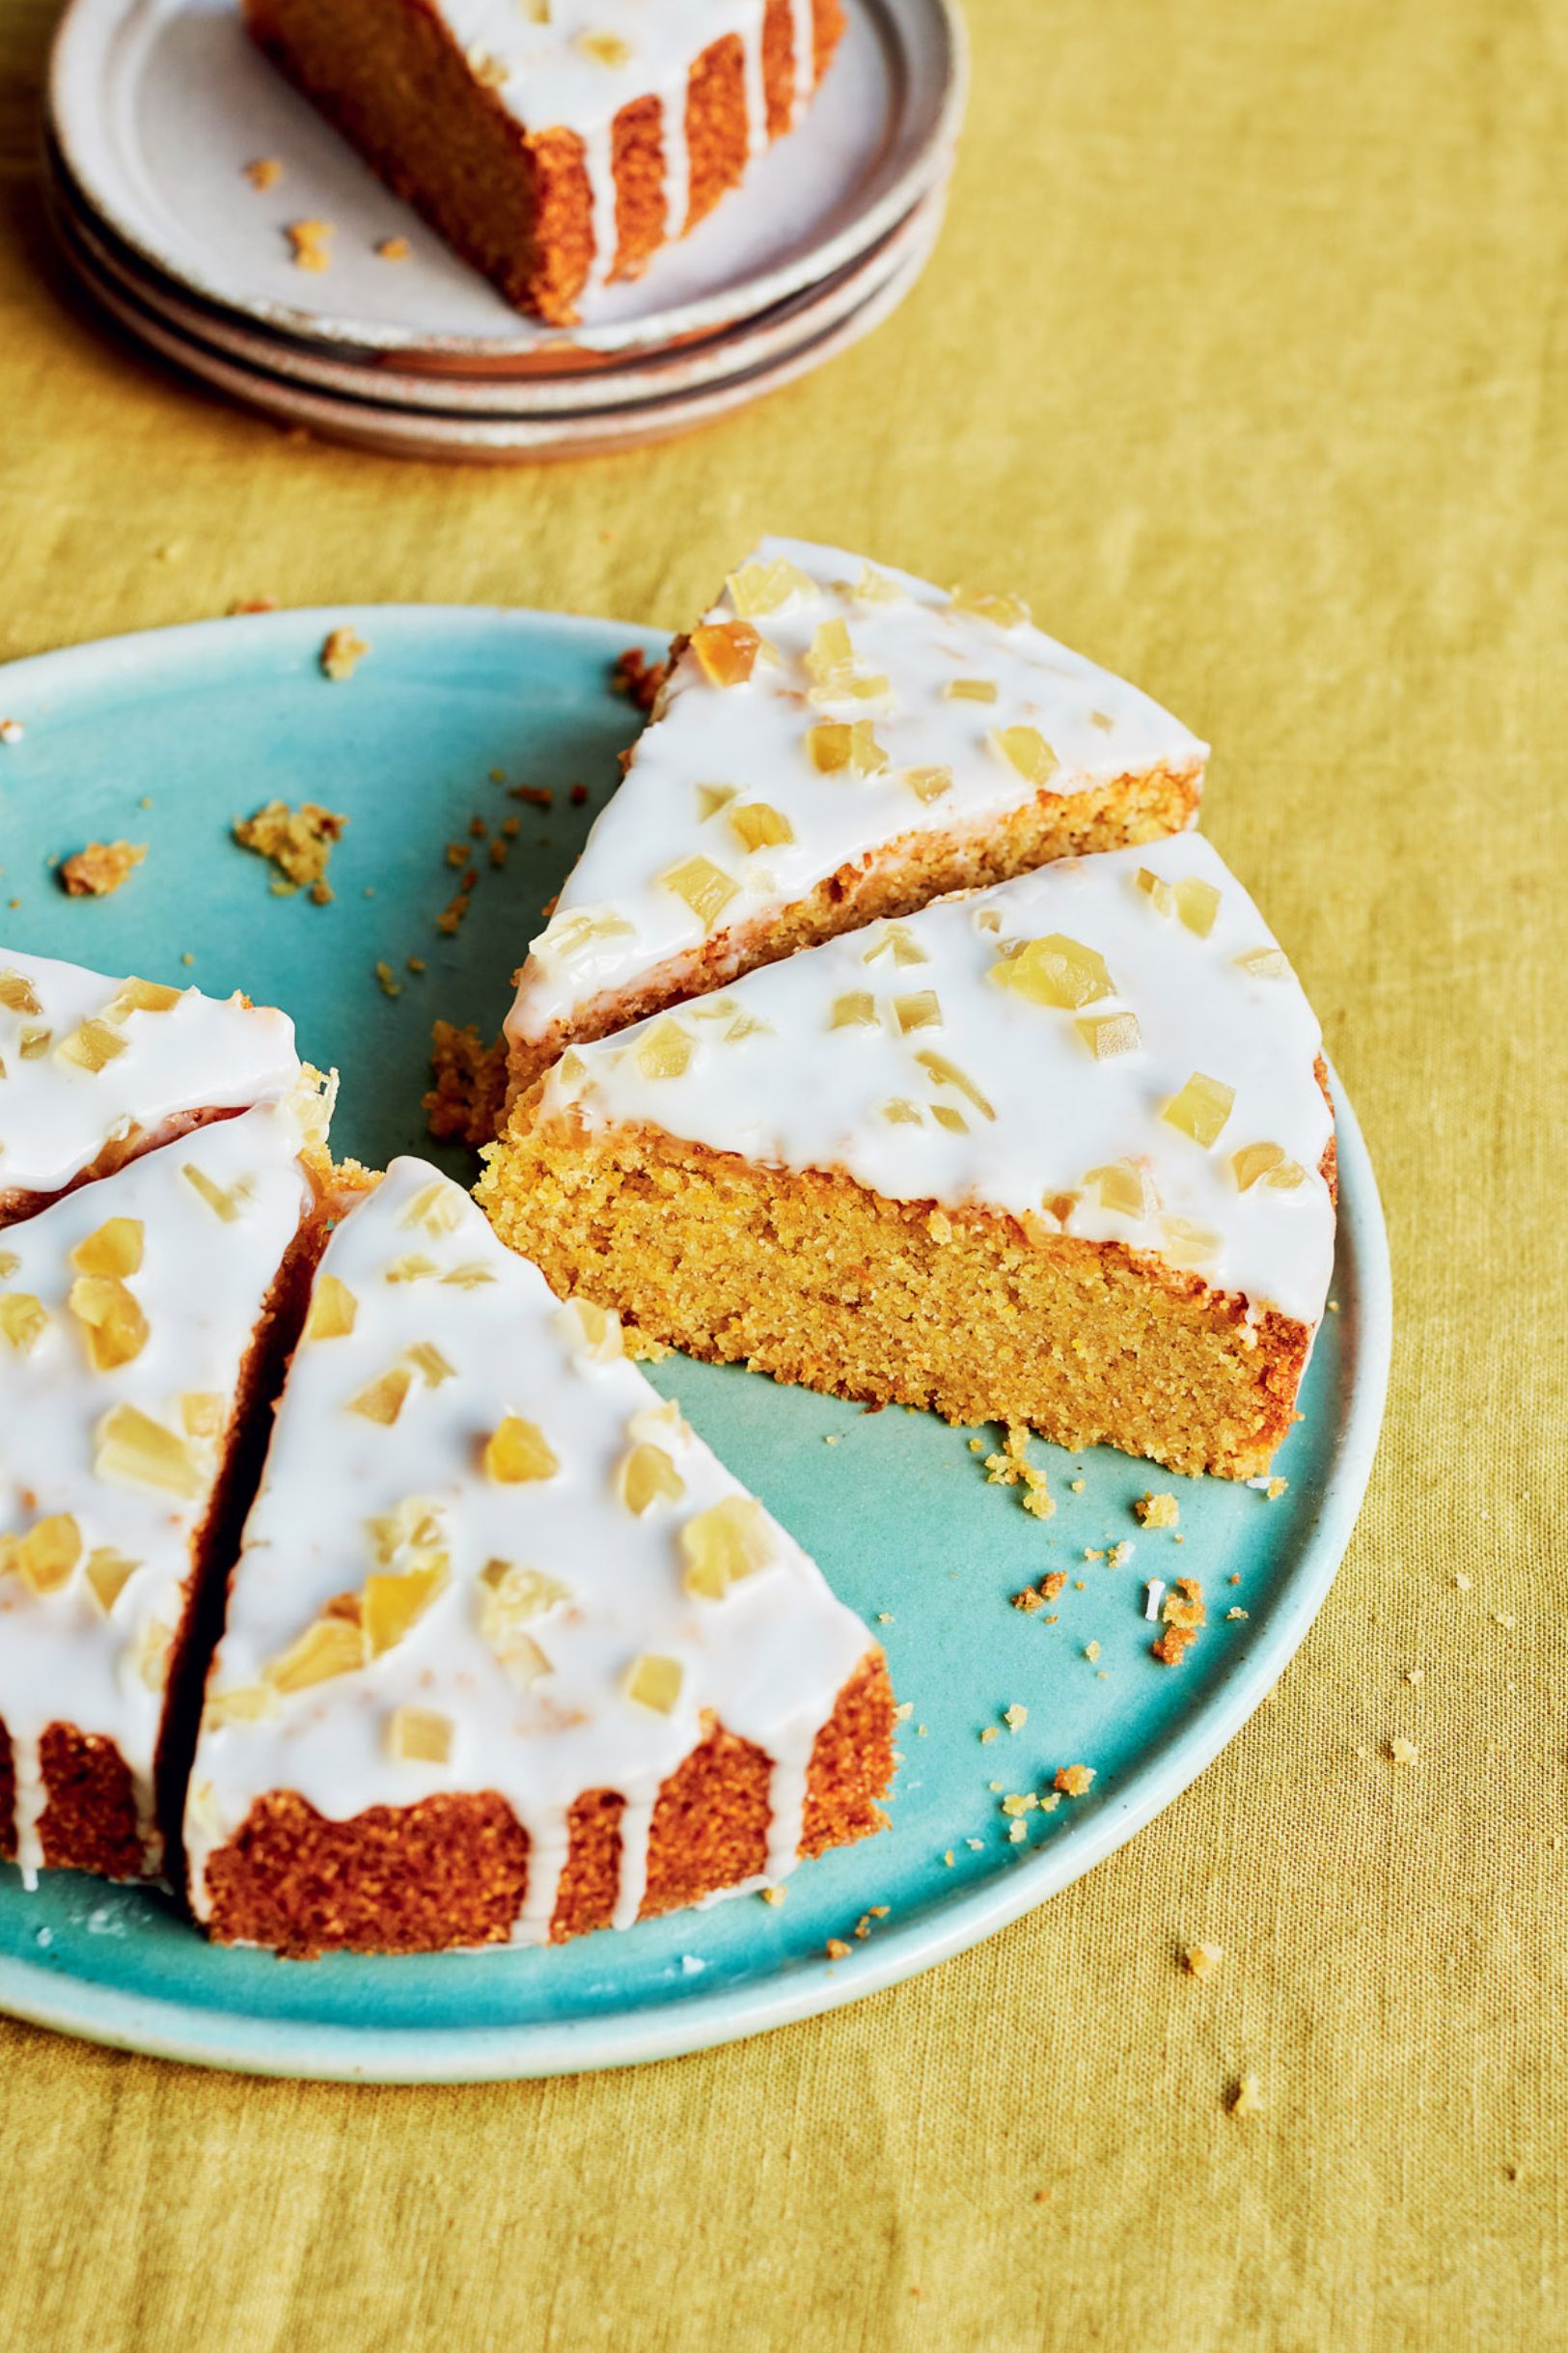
<point x="1197" y="904"/>
<point x="720" y="1546"/>
<point x="518" y="1451"/>
<point x="591" y="1330"/>
<point x="946" y="1116"/>
<point x="201" y="1413"/>
<point x="35" y="1044"/>
<point x="855" y="1009"/>
<point x="437" y="1208"/>
<point x="154" y="1650"/>
<point x="569" y="935"/>
<point x="646" y="1476"/>
<point x="1126" y="1188"/>
<point x="711" y="798"/>
<point x="969" y="690"/>
<point x="332" y="1312"/>
<point x="707" y="888"/>
<point x="392" y="1604"/>
<point x="115" y="1248"/>
<point x="415" y="1523"/>
<point x="605" y="48"/>
<point x="428" y="1360"/>
<point x="226" y="1202"/>
<point x="928" y="784"/>
<point x="116" y="1328"/>
<point x="136" y="1452"/>
<point x="757" y="588"/>
<point x="1055" y="971"/>
<point x="23" y="1318"/>
<point x="1187" y="1243"/>
<point x="1264" y="963"/>
<point x="412" y="1267"/>
<point x="135" y="996"/>
<point x="986" y="604"/>
<point x="1108" y="1035"/>
<point x="333" y="1645"/>
<point x="17" y="994"/>
<point x="872" y="587"/>
<point x="1160" y="893"/>
<point x="385" y="1398"/>
<point x="92" y="1046"/>
<point x="1266" y="1162"/>
<point x="245" y="1704"/>
<point x="1026" y="749"/>
<point x="726" y="651"/>
<point x="511" y="1595"/>
<point x="897" y="938"/>
<point x="921" y="1011"/>
<point x="1200" y="1109"/>
<point x="830" y="658"/>
<point x="108" y="1572"/>
<point x="420" y="1736"/>
<point x="947" y="1073"/>
<point x="899" y="1112"/>
<point x="45" y="1557"/>
<point x="469" y="1276"/>
<point x="759" y="825"/>
<point x="664" y="1051"/>
<point x="746" y="1025"/>
<point x="836" y="744"/>
<point x="655" y="1682"/>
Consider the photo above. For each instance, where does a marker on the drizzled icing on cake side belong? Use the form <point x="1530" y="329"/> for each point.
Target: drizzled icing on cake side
<point x="575" y="67"/>
<point x="485" y="1555"/>
<point x="126" y="1313"/>
<point x="89" y="1063"/>
<point x="878" y="709"/>
<point x="1115" y="1047"/>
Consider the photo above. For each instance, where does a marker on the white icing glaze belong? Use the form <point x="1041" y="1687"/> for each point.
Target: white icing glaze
<point x="551" y="81"/>
<point x="753" y="738"/>
<point x="794" y="1092"/>
<point x="202" y="1283"/>
<point x="203" y="1053"/>
<point x="768" y="1659"/>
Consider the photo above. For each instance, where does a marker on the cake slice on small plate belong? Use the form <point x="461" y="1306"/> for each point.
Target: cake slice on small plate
<point x="838" y="743"/>
<point x="93" y="1071"/>
<point x="1059" y="1153"/>
<point x="556" y="144"/>
<point x="139" y="1321"/>
<point x="509" y="1654"/>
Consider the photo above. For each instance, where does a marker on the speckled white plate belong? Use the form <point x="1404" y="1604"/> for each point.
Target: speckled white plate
<point x="686" y="368"/>
<point x="390" y="431"/>
<point x="159" y="104"/>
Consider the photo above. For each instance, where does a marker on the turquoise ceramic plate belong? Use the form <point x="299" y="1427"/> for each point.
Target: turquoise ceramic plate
<point x="165" y="738"/>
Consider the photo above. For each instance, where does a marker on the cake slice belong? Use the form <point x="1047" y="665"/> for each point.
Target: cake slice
<point x="556" y="144"/>
<point x="509" y="1654"/>
<point x="1059" y="1153"/>
<point x="834" y="743"/>
<point x="138" y="1318"/>
<point x="93" y="1071"/>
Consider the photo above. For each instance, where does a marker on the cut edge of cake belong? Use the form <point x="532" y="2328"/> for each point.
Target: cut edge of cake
<point x="109" y="1578"/>
<point x="1059" y="1154"/>
<point x="546" y="148"/>
<point x="836" y="743"/>
<point x="525" y="1660"/>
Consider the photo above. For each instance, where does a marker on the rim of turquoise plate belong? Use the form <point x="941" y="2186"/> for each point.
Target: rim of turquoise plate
<point x="249" y="2044"/>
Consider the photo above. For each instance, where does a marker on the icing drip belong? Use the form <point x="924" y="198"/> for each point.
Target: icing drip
<point x="598" y="162"/>
<point x="559" y="1641"/>
<point x="803" y="52"/>
<point x="678" y="162"/>
<point x="757" y="99"/>
<point x="31" y="1799"/>
<point x="787" y="1802"/>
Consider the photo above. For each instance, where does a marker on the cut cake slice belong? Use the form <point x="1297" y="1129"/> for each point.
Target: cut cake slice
<point x="556" y="144"/>
<point x="509" y="1654"/>
<point x="139" y="1316"/>
<point x="93" y="1071"/>
<point x="834" y="743"/>
<point x="1059" y="1153"/>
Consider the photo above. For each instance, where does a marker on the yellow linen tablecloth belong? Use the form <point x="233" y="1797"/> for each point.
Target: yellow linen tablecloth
<point x="1242" y="356"/>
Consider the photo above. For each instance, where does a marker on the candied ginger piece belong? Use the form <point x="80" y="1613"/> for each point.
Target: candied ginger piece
<point x="116" y="1327"/>
<point x="947" y="1073"/>
<point x="332" y="1311"/>
<point x="92" y="1046"/>
<point x="331" y="1647"/>
<point x="707" y="888"/>
<point x="760" y="588"/>
<point x="928" y="784"/>
<point x="114" y="1248"/>
<point x="17" y="994"/>
<point x="664" y="1051"/>
<point x="836" y="744"/>
<point x="655" y="1682"/>
<point x="420" y="1736"/>
<point x="385" y="1398"/>
<point x="1253" y="1161"/>
<point x="1264" y="964"/>
<point x="969" y="690"/>
<point x="830" y="658"/>
<point x="45" y="1557"/>
<point x="435" y="1209"/>
<point x="226" y="1202"/>
<point x="428" y="1359"/>
<point x="726" y="651"/>
<point x="511" y="1595"/>
<point x="593" y="1331"/>
<point x="135" y="996"/>
<point x="1026" y="749"/>
<point x="23" y="1318"/>
<point x="136" y="1452"/>
<point x="517" y="1450"/>
<point x="718" y="1547"/>
<point x="1186" y="1242"/>
<point x="1200" y="1108"/>
<point x="1126" y="1188"/>
<point x="245" y="1704"/>
<point x="921" y="1011"/>
<point x="202" y="1412"/>
<point x="1197" y="904"/>
<point x="759" y="825"/>
<point x="1055" y="971"/>
<point x="1107" y="1035"/>
<point x="107" y="1574"/>
<point x="646" y="1476"/>
<point x="985" y="605"/>
<point x="855" y="1009"/>
<point x="392" y="1604"/>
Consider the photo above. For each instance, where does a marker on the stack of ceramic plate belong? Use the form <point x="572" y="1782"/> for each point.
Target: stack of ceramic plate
<point x="156" y="110"/>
